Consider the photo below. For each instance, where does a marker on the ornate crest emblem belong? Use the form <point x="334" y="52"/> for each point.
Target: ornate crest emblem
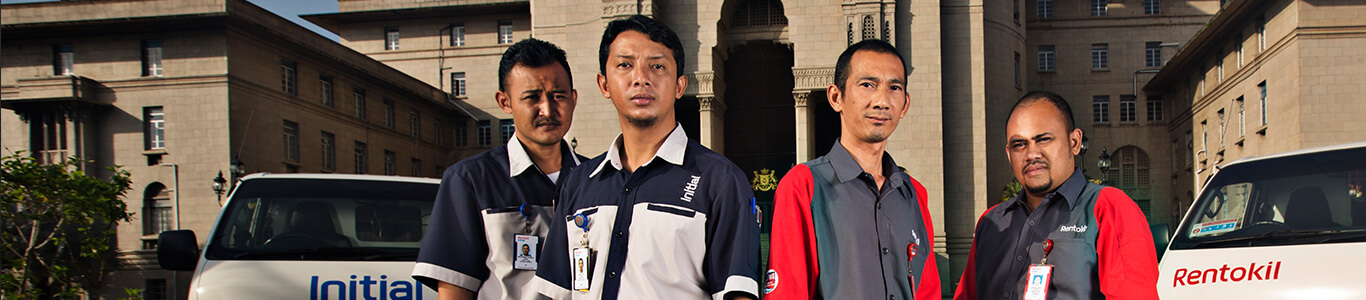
<point x="764" y="181"/>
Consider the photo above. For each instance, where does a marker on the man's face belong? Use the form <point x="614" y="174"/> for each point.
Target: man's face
<point x="641" y="79"/>
<point x="1040" y="147"/>
<point x="874" y="97"/>
<point x="541" y="101"/>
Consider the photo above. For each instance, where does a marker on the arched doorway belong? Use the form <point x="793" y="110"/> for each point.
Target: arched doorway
<point x="1133" y="174"/>
<point x="759" y="131"/>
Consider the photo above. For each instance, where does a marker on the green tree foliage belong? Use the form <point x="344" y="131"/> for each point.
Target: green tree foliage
<point x="1010" y="190"/>
<point x="58" y="227"/>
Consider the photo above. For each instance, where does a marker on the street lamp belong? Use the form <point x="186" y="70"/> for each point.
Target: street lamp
<point x="237" y="171"/>
<point x="220" y="186"/>
<point x="1085" y="144"/>
<point x="1104" y="164"/>
<point x="574" y="144"/>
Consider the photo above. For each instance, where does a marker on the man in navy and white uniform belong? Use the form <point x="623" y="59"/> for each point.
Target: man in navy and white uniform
<point x="494" y="209"/>
<point x="658" y="216"/>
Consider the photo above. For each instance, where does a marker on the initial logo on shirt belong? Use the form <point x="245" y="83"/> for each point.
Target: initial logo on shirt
<point x="690" y="189"/>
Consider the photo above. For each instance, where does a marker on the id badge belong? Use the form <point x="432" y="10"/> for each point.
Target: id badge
<point x="1037" y="287"/>
<point x="525" y="247"/>
<point x="582" y="263"/>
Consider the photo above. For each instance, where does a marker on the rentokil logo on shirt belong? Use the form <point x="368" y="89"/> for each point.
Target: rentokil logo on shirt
<point x="364" y="289"/>
<point x="1072" y="228"/>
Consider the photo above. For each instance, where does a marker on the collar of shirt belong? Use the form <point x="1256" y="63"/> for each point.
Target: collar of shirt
<point x="671" y="151"/>
<point x="519" y="161"/>
<point x="1070" y="190"/>
<point x="846" y="168"/>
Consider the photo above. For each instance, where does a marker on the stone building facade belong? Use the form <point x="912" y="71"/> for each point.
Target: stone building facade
<point x="176" y="91"/>
<point x="1263" y="77"/>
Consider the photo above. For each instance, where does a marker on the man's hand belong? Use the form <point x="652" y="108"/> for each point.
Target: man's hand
<point x="447" y="291"/>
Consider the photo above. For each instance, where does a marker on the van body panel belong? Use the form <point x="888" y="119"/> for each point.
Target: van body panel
<point x="314" y="280"/>
<point x="1274" y="272"/>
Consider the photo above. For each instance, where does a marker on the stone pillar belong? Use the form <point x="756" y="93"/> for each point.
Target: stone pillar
<point x="805" y="127"/>
<point x="712" y="123"/>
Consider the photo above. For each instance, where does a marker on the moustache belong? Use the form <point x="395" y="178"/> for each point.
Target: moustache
<point x="546" y="121"/>
<point x="1035" y="162"/>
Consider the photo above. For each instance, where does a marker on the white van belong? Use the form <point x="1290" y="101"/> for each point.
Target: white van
<point x="310" y="236"/>
<point x="1284" y="226"/>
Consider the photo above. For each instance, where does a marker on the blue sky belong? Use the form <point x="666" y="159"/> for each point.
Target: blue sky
<point x="290" y="9"/>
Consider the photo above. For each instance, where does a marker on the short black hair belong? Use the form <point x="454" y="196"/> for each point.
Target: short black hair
<point x="1052" y="98"/>
<point x="658" y="32"/>
<point x="532" y="53"/>
<point x="875" y="45"/>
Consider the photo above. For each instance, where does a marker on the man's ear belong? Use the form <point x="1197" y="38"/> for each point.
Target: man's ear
<point x="835" y="96"/>
<point x="602" y="86"/>
<point x="905" y="104"/>
<point x="682" y="86"/>
<point x="1074" y="141"/>
<point x="503" y="101"/>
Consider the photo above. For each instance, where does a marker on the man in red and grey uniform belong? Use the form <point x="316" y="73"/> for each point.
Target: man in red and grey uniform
<point x="850" y="224"/>
<point x="493" y="209"/>
<point x="1100" y="244"/>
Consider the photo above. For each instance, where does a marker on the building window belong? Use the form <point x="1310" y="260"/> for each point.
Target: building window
<point x="48" y="135"/>
<point x="1223" y="128"/>
<point x="485" y="133"/>
<point x="158" y="211"/>
<point x="156" y="127"/>
<point x="1240" y="54"/>
<point x="1152" y="55"/>
<point x="1100" y="109"/>
<point x="390" y="163"/>
<point x="439" y="131"/>
<point x="458" y="84"/>
<point x="416" y="170"/>
<point x="291" y="132"/>
<point x="458" y="34"/>
<point x="151" y="58"/>
<point x="288" y="80"/>
<point x="1045" y="9"/>
<point x="154" y="289"/>
<point x="507" y="129"/>
<point x="504" y="32"/>
<point x="462" y="133"/>
<point x="1099" y="7"/>
<point x="358" y="101"/>
<point x="415" y="124"/>
<point x="1261" y="34"/>
<point x="329" y="145"/>
<point x="1100" y="56"/>
<point x="1017" y="69"/>
<point x="325" y="90"/>
<point x="1046" y="58"/>
<point x="391" y="38"/>
<point x="388" y="113"/>
<point x="1262" y="88"/>
<point x="1155" y="109"/>
<point x="63" y="60"/>
<point x="869" y="28"/>
<point x="849" y="31"/>
<point x="1220" y="67"/>
<point x="1204" y="137"/>
<point x="1128" y="109"/>
<point x="1015" y="14"/>
<point x="1242" y="119"/>
<point x="1152" y="7"/>
<point x="758" y="13"/>
<point x="362" y="154"/>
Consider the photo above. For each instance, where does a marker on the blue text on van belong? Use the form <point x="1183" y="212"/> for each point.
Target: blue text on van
<point x="364" y="289"/>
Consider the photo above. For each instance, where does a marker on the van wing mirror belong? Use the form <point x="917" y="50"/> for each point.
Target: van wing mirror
<point x="177" y="250"/>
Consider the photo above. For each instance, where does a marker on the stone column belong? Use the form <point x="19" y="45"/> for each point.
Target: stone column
<point x="805" y="126"/>
<point x="712" y="122"/>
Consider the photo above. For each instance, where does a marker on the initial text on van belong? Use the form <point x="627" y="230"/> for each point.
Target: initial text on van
<point x="344" y="290"/>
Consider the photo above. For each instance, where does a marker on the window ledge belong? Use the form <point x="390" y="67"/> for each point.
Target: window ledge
<point x="292" y="163"/>
<point x="1239" y="141"/>
<point x="1261" y="130"/>
<point x="1100" y="70"/>
<point x="151" y="152"/>
<point x="1054" y="71"/>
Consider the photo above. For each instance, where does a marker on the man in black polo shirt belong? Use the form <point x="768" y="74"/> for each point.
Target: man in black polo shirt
<point x="1094" y="238"/>
<point x="850" y="224"/>
<point x="658" y="216"/>
<point x="494" y="209"/>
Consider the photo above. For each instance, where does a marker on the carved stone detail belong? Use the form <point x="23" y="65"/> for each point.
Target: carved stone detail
<point x="812" y="78"/>
<point x="700" y="83"/>
<point x="627" y="8"/>
<point x="710" y="103"/>
<point x="799" y="98"/>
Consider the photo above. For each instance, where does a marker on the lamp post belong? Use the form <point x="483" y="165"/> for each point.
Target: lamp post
<point x="220" y="186"/>
<point x="236" y="170"/>
<point x="1085" y="144"/>
<point x="574" y="144"/>
<point x="1104" y="164"/>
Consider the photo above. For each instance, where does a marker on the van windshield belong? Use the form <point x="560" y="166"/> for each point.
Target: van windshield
<point x="1303" y="199"/>
<point x="323" y="219"/>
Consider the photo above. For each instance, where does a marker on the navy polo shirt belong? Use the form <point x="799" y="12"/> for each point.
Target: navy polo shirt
<point x="469" y="239"/>
<point x="682" y="226"/>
